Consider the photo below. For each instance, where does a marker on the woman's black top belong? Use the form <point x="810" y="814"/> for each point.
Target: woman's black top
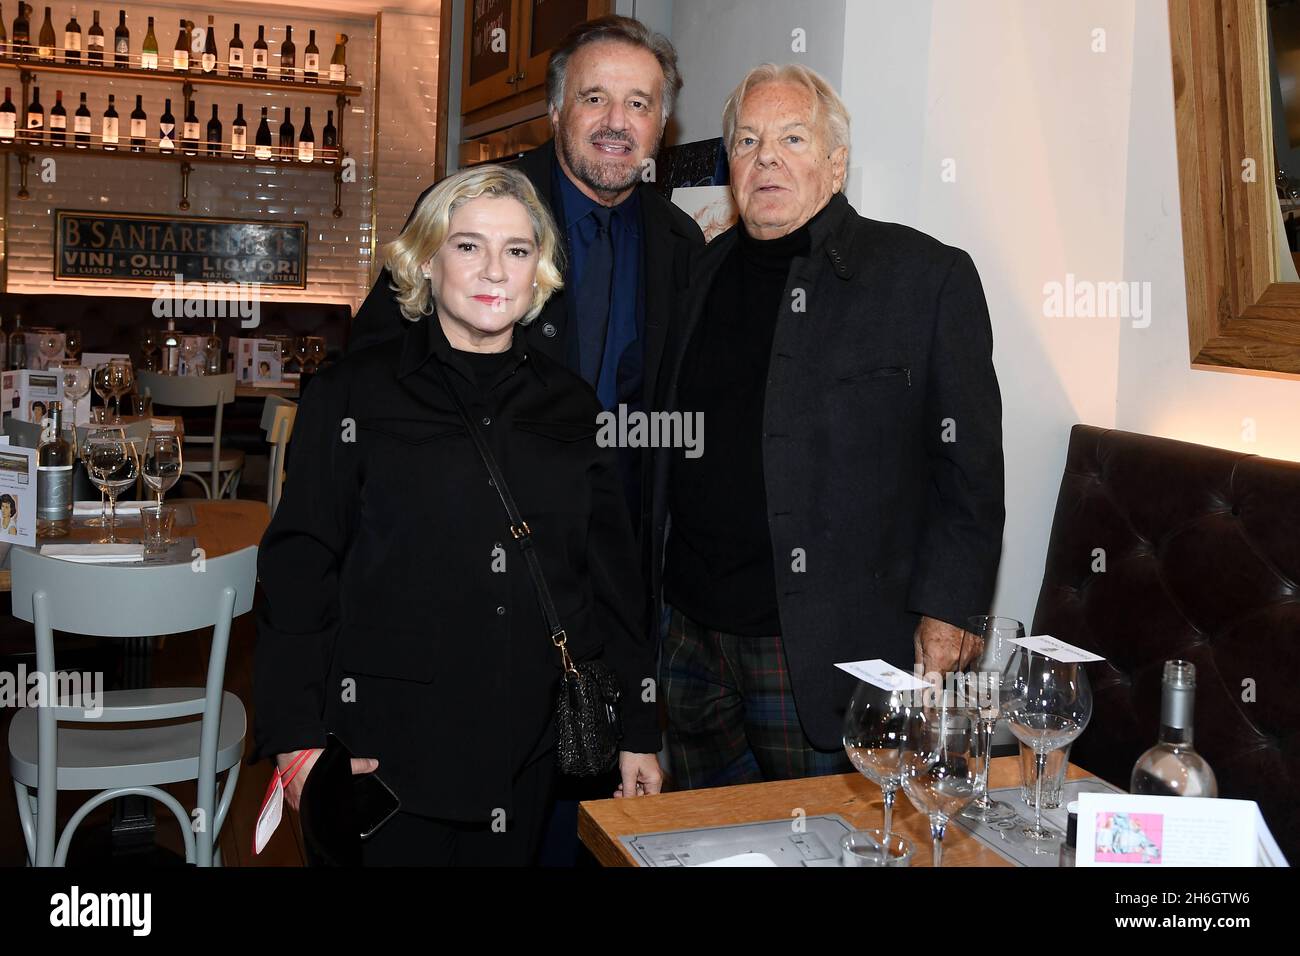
<point x="398" y="611"/>
<point x="718" y="567"/>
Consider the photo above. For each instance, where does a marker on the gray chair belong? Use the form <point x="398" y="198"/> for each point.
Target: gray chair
<point x="278" y="415"/>
<point x="125" y="761"/>
<point x="206" y="465"/>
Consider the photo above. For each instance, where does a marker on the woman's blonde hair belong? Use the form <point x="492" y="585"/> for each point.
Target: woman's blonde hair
<point x="429" y="225"/>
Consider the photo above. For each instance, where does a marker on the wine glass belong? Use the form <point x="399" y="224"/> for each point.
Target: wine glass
<point x="215" y="350"/>
<point x="76" y="385"/>
<point x="316" y="349"/>
<point x="985" y="647"/>
<point x="300" y="350"/>
<point x="48" y="346"/>
<point x="191" y="349"/>
<point x="939" y="762"/>
<point x="99" y="380"/>
<point x="121" y="379"/>
<point x="161" y="467"/>
<point x="112" y="464"/>
<point x="875" y="728"/>
<point x="149" y="349"/>
<point x="1047" y="704"/>
<point x="72" y="347"/>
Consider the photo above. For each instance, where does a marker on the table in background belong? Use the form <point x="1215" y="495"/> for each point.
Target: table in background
<point x="602" y="822"/>
<point x="289" y="391"/>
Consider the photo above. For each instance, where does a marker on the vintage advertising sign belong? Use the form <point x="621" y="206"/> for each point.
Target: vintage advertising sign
<point x="127" y="247"/>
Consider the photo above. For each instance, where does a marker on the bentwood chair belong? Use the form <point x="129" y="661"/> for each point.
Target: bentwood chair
<point x="72" y="742"/>
<point x="278" y="416"/>
<point x="218" y="470"/>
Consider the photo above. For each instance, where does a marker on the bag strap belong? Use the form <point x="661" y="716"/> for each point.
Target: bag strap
<point x="519" y="529"/>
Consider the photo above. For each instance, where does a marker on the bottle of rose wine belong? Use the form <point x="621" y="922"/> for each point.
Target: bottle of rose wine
<point x="239" y="134"/>
<point x="1172" y="768"/>
<point x="71" y="39"/>
<point x="58" y="121"/>
<point x="149" y="52"/>
<point x="235" y="55"/>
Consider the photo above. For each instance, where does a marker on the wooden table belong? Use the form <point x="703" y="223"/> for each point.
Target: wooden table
<point x="220" y="527"/>
<point x="602" y="822"/>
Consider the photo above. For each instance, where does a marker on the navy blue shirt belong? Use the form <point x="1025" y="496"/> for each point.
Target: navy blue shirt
<point x="621" y="367"/>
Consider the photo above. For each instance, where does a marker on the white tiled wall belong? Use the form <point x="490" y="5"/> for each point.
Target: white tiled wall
<point x="339" y="250"/>
<point x="408" y="110"/>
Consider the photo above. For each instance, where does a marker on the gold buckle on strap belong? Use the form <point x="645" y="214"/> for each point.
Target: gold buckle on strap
<point x="517" y="533"/>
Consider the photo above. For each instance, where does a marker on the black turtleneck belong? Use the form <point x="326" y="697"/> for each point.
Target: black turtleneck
<point x="718" y="562"/>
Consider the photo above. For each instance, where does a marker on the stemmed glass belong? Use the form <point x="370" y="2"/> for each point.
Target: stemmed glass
<point x="49" y="346"/>
<point x="316" y="348"/>
<point x="875" y="728"/>
<point x="300" y="350"/>
<point x="112" y="464"/>
<point x="939" y="762"/>
<point x="162" y="463"/>
<point x="149" y="349"/>
<point x="121" y="379"/>
<point x="191" y="349"/>
<point x="1047" y="704"/>
<point x="985" y="647"/>
<point x="99" y="379"/>
<point x="72" y="347"/>
<point x="76" y="386"/>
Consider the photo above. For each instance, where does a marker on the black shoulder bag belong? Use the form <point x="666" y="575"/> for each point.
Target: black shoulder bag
<point x="587" y="720"/>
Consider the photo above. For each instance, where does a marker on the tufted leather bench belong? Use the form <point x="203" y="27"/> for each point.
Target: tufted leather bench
<point x="1202" y="562"/>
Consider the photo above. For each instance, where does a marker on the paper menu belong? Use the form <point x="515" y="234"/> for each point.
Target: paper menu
<point x="18" y="495"/>
<point x="28" y="393"/>
<point x="1120" y="829"/>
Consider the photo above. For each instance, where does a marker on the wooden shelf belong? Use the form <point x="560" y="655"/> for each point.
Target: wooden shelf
<point x="197" y="78"/>
<point x="123" y="151"/>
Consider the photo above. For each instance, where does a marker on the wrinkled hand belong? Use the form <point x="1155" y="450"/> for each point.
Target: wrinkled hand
<point x="293" y="791"/>
<point x="937" y="645"/>
<point x="641" y="774"/>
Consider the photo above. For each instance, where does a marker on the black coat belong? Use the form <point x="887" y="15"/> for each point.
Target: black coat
<point x="387" y="618"/>
<point x="893" y="520"/>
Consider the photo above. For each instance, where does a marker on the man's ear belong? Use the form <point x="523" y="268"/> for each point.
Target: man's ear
<point x="839" y="167"/>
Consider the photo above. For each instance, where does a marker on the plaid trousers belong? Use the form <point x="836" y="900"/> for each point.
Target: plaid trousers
<point x="731" y="714"/>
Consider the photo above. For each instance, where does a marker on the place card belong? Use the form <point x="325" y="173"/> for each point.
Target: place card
<point x="884" y="675"/>
<point x="18" y="495"/>
<point x="1120" y="829"/>
<point x="1057" y="650"/>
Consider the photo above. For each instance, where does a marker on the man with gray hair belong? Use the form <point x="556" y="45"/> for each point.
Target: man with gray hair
<point x="850" y="505"/>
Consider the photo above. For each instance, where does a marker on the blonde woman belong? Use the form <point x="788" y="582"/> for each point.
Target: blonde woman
<point x="399" y="613"/>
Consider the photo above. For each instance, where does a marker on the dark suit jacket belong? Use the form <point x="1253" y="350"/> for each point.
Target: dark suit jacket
<point x="882" y="449"/>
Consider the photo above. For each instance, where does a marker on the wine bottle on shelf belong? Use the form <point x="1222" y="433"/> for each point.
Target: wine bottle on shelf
<point x="190" y="131"/>
<point x="8" y="118"/>
<point x="149" y="52"/>
<point x="235" y="55"/>
<point x="1172" y="768"/>
<point x="339" y="61"/>
<point x="4" y="48"/>
<point x="311" y="60"/>
<point x="53" y="477"/>
<point x="239" y="134"/>
<point x="121" y="43"/>
<point x="58" y="121"/>
<point x="261" y="55"/>
<point x="209" y="60"/>
<point x="72" y="40"/>
<point x="286" y="139"/>
<point x="109" y="134"/>
<point x="181" y="52"/>
<point x="214" y="133"/>
<point x="36" y="119"/>
<point x="139" y="126"/>
<point x="22" y="32"/>
<point x="95" y="43"/>
<point x="329" y="140"/>
<point x="81" y="123"/>
<point x="306" y="140"/>
<point x="288" y="57"/>
<point x="262" y="144"/>
<point x="45" y="42"/>
<point x="167" y="129"/>
<point x="17" y="338"/>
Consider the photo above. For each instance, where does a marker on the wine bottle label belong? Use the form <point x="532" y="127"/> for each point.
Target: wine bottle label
<point x="262" y="152"/>
<point x="209" y="62"/>
<point x="138" y="129"/>
<point x="190" y="131"/>
<point x="35" y="120"/>
<point x="81" y="124"/>
<point x="167" y="132"/>
<point x="148" y="61"/>
<point x="58" y="121"/>
<point x="7" y="123"/>
<point x="259" y="58"/>
<point x="239" y="138"/>
<point x="236" y="56"/>
<point x="181" y="59"/>
<point x="72" y="41"/>
<point x="110" y="130"/>
<point x="122" y="46"/>
<point x="306" y="152"/>
<point x="338" y="72"/>
<point x="53" y="492"/>
<point x="312" y="63"/>
<point x="94" y="42"/>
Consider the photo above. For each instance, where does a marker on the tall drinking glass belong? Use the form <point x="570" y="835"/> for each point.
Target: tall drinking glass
<point x="986" y="645"/>
<point x="875" y="727"/>
<point x="1047" y="704"/>
<point x="939" y="763"/>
